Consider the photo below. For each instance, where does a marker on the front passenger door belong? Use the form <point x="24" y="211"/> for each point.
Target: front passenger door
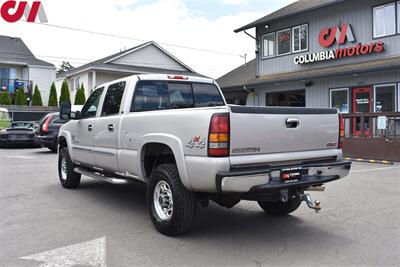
<point x="106" y="134"/>
<point x="82" y="137"/>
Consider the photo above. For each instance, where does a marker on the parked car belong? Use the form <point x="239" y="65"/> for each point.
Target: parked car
<point x="178" y="135"/>
<point x="47" y="131"/>
<point x="5" y="120"/>
<point x="21" y="133"/>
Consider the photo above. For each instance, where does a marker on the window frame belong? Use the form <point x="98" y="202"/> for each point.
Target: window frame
<point x="277" y="42"/>
<point x="121" y="103"/>
<point x="385" y="85"/>
<point x="263" y="47"/>
<point x="100" y="105"/>
<point x="348" y="98"/>
<point x="396" y="30"/>
<point x="307" y="39"/>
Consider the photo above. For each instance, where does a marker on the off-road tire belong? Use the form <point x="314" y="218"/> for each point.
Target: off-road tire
<point x="280" y="208"/>
<point x="184" y="201"/>
<point x="72" y="179"/>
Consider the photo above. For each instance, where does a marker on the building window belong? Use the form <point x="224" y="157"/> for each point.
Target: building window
<point x="77" y="83"/>
<point x="295" y="98"/>
<point x="284" y="41"/>
<point x="268" y="41"/>
<point x="398" y="17"/>
<point x="300" y="38"/>
<point x="339" y="99"/>
<point x="385" y="98"/>
<point x="384" y="20"/>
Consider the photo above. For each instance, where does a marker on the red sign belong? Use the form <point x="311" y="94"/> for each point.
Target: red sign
<point x="13" y="11"/>
<point x="328" y="36"/>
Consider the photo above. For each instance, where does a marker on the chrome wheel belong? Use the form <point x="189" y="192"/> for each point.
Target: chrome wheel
<point x="162" y="201"/>
<point x="64" y="168"/>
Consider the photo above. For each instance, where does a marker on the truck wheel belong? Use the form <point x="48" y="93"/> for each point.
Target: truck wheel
<point x="280" y="208"/>
<point x="68" y="178"/>
<point x="171" y="206"/>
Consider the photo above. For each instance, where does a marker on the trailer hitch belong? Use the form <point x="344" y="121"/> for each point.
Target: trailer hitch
<point x="312" y="205"/>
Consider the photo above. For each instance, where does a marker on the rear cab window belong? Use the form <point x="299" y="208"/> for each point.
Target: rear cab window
<point x="113" y="98"/>
<point x="160" y="95"/>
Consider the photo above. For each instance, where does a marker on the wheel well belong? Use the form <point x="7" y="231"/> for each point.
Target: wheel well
<point x="62" y="142"/>
<point x="155" y="154"/>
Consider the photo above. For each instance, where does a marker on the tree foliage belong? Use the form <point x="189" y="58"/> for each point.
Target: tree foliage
<point x="37" y="97"/>
<point x="64" y="67"/>
<point x="20" y="97"/>
<point x="64" y="97"/>
<point x="5" y="98"/>
<point x="53" y="96"/>
<point x="80" y="97"/>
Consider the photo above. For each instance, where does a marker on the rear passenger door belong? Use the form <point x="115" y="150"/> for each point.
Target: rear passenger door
<point x="106" y="133"/>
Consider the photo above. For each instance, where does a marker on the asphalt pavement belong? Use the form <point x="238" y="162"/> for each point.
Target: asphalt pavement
<point x="42" y="224"/>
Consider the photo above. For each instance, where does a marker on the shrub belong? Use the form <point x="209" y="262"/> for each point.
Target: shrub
<point x="80" y="96"/>
<point x="37" y="97"/>
<point x="53" y="96"/>
<point x="5" y="98"/>
<point x="20" y="98"/>
<point x="64" y="97"/>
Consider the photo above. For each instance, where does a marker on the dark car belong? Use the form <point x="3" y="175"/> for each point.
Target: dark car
<point x="47" y="131"/>
<point x="21" y="133"/>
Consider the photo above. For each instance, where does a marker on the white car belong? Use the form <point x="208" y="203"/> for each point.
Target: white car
<point x="178" y="135"/>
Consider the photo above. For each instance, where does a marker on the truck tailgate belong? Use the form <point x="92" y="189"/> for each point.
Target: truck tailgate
<point x="266" y="130"/>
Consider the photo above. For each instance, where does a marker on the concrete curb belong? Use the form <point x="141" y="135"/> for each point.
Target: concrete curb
<point x="371" y="161"/>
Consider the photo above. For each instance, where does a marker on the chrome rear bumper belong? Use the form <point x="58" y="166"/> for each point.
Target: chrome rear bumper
<point x="269" y="178"/>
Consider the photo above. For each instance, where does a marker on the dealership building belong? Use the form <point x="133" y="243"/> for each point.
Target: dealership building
<point x="343" y="54"/>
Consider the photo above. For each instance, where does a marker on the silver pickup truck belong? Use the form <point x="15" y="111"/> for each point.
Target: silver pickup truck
<point x="177" y="135"/>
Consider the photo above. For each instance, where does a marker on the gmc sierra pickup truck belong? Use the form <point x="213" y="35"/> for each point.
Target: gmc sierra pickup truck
<point x="177" y="135"/>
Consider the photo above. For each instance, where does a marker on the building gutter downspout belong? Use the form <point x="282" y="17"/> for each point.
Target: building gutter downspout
<point x="257" y="59"/>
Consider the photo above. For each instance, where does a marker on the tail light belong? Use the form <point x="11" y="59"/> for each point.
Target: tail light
<point x="218" y="138"/>
<point x="178" y="77"/>
<point x="45" y="127"/>
<point x="341" y="132"/>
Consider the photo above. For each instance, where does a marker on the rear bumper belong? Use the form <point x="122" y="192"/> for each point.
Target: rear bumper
<point x="268" y="179"/>
<point x="46" y="141"/>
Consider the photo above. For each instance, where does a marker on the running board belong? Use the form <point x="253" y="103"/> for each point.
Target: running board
<point x="101" y="177"/>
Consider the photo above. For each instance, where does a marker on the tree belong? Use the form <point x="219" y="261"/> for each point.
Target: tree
<point x="5" y="98"/>
<point x="64" y="67"/>
<point x="37" y="97"/>
<point x="80" y="97"/>
<point x="20" y="97"/>
<point x="64" y="97"/>
<point x="53" y="96"/>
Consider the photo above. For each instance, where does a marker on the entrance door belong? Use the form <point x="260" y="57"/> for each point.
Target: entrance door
<point x="362" y="103"/>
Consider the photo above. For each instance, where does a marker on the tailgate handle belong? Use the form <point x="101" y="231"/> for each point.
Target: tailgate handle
<point x="292" y="123"/>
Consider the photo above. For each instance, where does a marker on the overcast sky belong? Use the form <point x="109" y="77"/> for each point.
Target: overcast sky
<point x="194" y="23"/>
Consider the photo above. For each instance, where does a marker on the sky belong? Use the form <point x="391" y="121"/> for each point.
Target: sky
<point x="206" y="25"/>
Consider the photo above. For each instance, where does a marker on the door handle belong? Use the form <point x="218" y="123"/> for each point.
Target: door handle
<point x="292" y="123"/>
<point x="90" y="127"/>
<point x="111" y="127"/>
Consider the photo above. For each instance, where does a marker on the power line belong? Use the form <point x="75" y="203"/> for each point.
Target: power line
<point x="135" y="39"/>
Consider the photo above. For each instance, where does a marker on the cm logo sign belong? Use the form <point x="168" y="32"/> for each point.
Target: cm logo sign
<point x="13" y="11"/>
<point x="328" y="36"/>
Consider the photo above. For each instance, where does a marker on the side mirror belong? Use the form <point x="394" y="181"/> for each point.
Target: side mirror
<point x="65" y="111"/>
<point x="75" y="115"/>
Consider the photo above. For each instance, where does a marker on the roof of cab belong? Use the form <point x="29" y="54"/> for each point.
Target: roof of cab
<point x="160" y="77"/>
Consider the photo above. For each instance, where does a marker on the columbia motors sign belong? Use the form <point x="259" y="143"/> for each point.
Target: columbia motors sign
<point x="340" y="35"/>
<point x="13" y="11"/>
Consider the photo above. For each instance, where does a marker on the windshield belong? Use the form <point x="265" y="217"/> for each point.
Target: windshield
<point x="16" y="125"/>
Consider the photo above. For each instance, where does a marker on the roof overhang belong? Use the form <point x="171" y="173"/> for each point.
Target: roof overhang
<point x="386" y="64"/>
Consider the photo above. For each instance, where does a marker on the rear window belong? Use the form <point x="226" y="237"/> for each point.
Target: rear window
<point x="152" y="95"/>
<point x="207" y="95"/>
